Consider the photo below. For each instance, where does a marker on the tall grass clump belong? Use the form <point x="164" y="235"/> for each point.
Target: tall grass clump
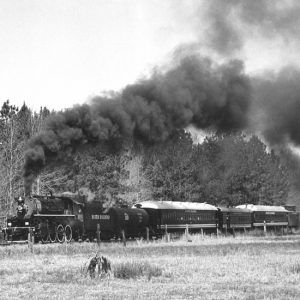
<point x="62" y="275"/>
<point x="127" y="270"/>
<point x="295" y="269"/>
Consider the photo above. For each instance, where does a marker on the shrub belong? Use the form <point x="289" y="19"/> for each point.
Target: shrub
<point x="129" y="270"/>
<point x="295" y="269"/>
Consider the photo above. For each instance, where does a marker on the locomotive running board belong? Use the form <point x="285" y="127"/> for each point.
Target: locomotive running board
<point x="13" y="229"/>
<point x="42" y="215"/>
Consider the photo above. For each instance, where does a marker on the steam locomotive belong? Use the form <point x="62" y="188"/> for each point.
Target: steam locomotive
<point x="66" y="217"/>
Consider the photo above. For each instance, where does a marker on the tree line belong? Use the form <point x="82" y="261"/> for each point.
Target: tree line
<point x="223" y="169"/>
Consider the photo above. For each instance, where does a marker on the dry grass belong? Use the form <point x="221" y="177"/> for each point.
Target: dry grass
<point x="127" y="270"/>
<point x="206" y="268"/>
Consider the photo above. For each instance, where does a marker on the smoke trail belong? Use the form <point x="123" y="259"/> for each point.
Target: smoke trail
<point x="195" y="92"/>
<point x="278" y="104"/>
<point x="230" y="23"/>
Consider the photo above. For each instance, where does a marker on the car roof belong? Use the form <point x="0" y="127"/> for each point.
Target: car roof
<point x="253" y="207"/>
<point x="234" y="209"/>
<point x="175" y="205"/>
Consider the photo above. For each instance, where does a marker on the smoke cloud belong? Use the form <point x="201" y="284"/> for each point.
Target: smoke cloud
<point x="278" y="105"/>
<point x="194" y="92"/>
<point x="230" y="23"/>
<point x="276" y="94"/>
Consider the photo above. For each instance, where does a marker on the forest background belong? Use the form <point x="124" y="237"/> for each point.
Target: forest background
<point x="224" y="170"/>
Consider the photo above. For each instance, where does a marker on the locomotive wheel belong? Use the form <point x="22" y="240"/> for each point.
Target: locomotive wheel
<point x="52" y="234"/>
<point x="44" y="237"/>
<point x="60" y="233"/>
<point x="44" y="234"/>
<point x="68" y="232"/>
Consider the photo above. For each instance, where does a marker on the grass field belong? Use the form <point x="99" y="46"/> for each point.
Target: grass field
<point x="206" y="268"/>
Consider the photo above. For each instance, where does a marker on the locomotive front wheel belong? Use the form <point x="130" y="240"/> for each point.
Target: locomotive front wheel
<point x="68" y="233"/>
<point x="44" y="234"/>
<point x="52" y="235"/>
<point x="44" y="237"/>
<point x="60" y="233"/>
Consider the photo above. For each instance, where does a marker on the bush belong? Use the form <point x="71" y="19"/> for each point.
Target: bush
<point x="129" y="270"/>
<point x="295" y="269"/>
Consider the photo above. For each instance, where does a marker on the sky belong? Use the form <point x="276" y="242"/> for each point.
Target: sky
<point x="59" y="53"/>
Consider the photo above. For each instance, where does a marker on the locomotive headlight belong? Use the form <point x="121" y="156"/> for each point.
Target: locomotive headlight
<point x="9" y="224"/>
<point x="26" y="223"/>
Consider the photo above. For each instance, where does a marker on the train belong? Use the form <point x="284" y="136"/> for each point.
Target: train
<point x="66" y="217"/>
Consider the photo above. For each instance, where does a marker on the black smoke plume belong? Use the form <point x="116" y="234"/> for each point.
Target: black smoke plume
<point x="195" y="92"/>
<point x="275" y="110"/>
<point x="277" y="102"/>
<point x="229" y="23"/>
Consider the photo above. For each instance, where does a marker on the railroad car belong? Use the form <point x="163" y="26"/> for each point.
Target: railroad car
<point x="115" y="222"/>
<point x="293" y="219"/>
<point x="175" y="216"/>
<point x="234" y="218"/>
<point x="269" y="216"/>
<point x="293" y="216"/>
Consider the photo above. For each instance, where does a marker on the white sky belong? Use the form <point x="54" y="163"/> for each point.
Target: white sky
<point x="57" y="53"/>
